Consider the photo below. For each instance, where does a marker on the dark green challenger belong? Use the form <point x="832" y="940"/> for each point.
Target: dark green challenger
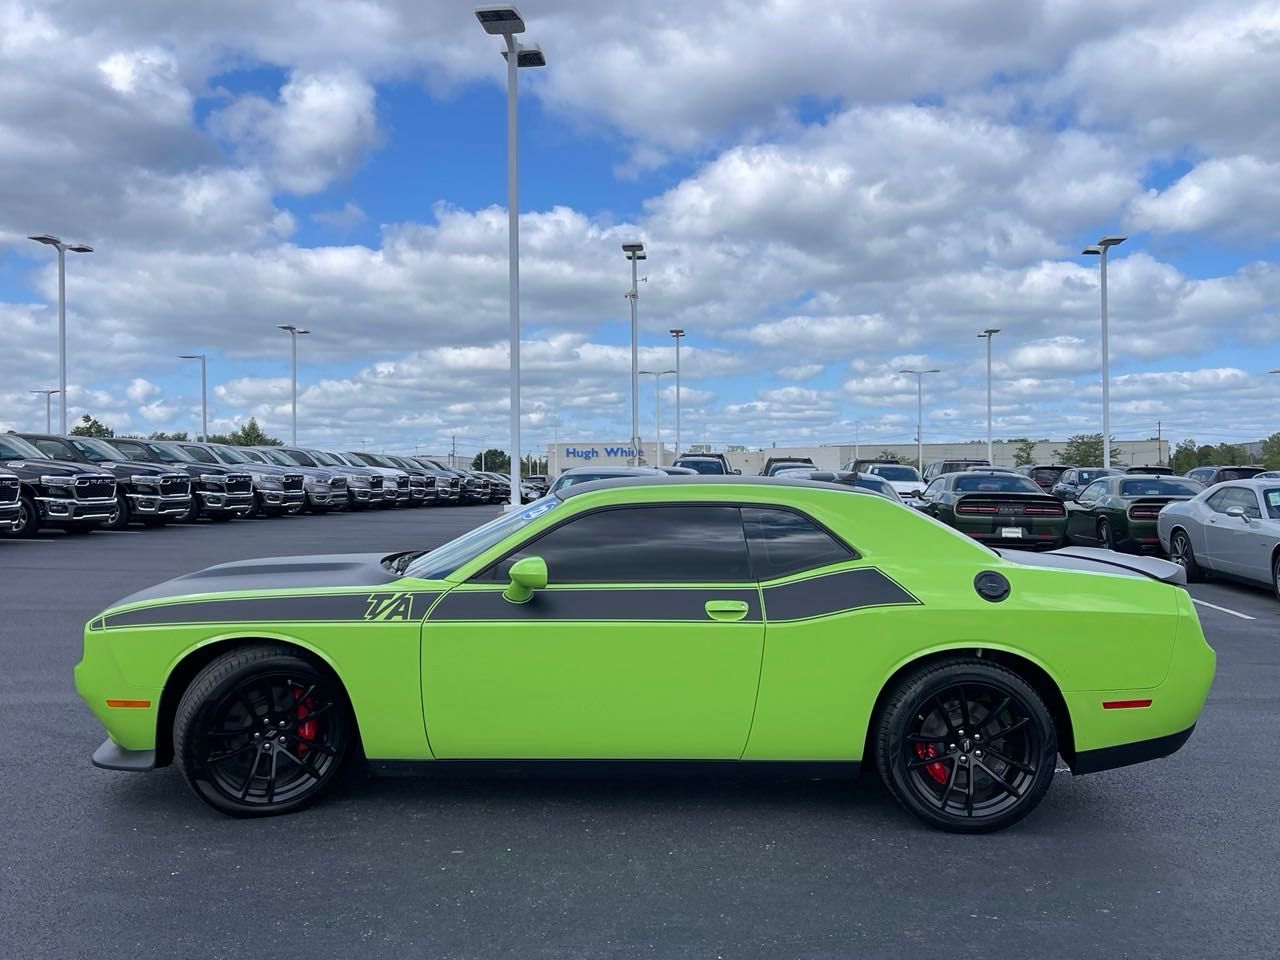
<point x="997" y="509"/>
<point x="1120" y="512"/>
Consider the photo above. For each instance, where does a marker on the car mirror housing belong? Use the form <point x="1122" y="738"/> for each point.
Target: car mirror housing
<point x="527" y="575"/>
<point x="1237" y="512"/>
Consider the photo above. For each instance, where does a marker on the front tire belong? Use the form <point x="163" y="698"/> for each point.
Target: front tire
<point x="261" y="731"/>
<point x="120" y="518"/>
<point x="28" y="522"/>
<point x="1180" y="552"/>
<point x="966" y="745"/>
<point x="1106" y="539"/>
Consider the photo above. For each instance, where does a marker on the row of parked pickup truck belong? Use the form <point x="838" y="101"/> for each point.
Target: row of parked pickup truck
<point x="83" y="483"/>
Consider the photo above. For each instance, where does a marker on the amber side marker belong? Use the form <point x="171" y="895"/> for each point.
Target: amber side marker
<point x="1124" y="704"/>
<point x="128" y="703"/>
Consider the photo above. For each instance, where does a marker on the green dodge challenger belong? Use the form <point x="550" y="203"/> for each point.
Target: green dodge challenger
<point x="736" y="622"/>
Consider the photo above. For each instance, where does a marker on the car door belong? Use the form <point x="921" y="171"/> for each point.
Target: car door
<point x="645" y="644"/>
<point x="930" y="495"/>
<point x="1215" y="530"/>
<point x="57" y="449"/>
<point x="1237" y="537"/>
<point x="1082" y="524"/>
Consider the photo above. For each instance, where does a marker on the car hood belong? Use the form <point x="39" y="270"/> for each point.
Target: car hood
<point x="905" y="486"/>
<point x="273" y="573"/>
<point x="53" y="468"/>
<point x="135" y="468"/>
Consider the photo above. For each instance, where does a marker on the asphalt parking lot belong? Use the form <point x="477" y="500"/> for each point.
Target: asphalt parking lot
<point x="1175" y="858"/>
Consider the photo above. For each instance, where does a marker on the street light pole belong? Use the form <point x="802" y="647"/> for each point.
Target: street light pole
<point x="294" y="332"/>
<point x="1099" y="250"/>
<point x="987" y="335"/>
<point x="204" y="398"/>
<point x="635" y="253"/>
<point x="505" y="21"/>
<point x="678" y="335"/>
<point x="48" y="415"/>
<point x="657" y="409"/>
<point x="62" y="249"/>
<point x="919" y="375"/>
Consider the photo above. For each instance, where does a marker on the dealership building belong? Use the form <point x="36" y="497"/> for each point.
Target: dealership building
<point x="563" y="456"/>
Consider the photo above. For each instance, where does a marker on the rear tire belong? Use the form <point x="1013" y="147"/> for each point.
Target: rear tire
<point x="1180" y="552"/>
<point x="1106" y="539"/>
<point x="992" y="736"/>
<point x="261" y="731"/>
<point x="1275" y="575"/>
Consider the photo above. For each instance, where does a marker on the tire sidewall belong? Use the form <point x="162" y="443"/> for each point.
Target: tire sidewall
<point x="918" y="689"/>
<point x="121" y="518"/>
<point x="28" y="522"/>
<point x="1106" y="538"/>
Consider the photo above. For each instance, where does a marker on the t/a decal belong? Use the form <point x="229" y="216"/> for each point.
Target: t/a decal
<point x="390" y="606"/>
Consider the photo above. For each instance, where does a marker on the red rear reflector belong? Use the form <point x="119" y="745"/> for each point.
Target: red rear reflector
<point x="977" y="508"/>
<point x="128" y="703"/>
<point x="1124" y="704"/>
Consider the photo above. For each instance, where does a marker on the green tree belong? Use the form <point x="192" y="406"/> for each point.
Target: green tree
<point x="91" y="427"/>
<point x="886" y="455"/>
<point x="492" y="459"/>
<point x="1082" y="450"/>
<point x="1024" y="454"/>
<point x="246" y="435"/>
<point x="161" y="435"/>
<point x="1185" y="456"/>
<point x="1271" y="452"/>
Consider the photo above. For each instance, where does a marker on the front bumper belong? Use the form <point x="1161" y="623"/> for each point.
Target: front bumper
<point x="144" y="504"/>
<point x="213" y="502"/>
<point x="363" y="495"/>
<point x="281" y="499"/>
<point x="66" y="509"/>
<point x="111" y="756"/>
<point x="9" y="512"/>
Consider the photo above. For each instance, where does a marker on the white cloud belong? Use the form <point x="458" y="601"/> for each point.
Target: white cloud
<point x="140" y="390"/>
<point x="350" y="215"/>
<point x="803" y="371"/>
<point x="1238" y="196"/>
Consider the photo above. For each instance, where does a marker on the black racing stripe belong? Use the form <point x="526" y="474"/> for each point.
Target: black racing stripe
<point x="566" y="603"/>
<point x="373" y="606"/>
<point x="833" y="593"/>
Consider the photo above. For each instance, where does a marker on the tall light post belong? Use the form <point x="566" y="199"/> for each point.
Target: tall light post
<point x="677" y="334"/>
<point x="505" y="21"/>
<point x="1099" y="250"/>
<point x="62" y="249"/>
<point x="49" y="421"/>
<point x="919" y="375"/>
<point x="294" y="332"/>
<point x="204" y="396"/>
<point x="635" y="253"/>
<point x="657" y="409"/>
<point x="987" y="335"/>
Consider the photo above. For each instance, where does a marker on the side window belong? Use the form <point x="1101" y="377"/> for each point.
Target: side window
<point x="1093" y="491"/>
<point x="1068" y="478"/>
<point x="783" y="543"/>
<point x="1243" y="497"/>
<point x="658" y="544"/>
<point x="201" y="454"/>
<point x="931" y="492"/>
<point x="55" y="449"/>
<point x="1219" y="501"/>
<point x="134" y="451"/>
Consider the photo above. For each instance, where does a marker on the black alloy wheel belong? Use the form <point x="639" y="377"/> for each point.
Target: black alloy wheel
<point x="967" y="746"/>
<point x="28" y="522"/>
<point x="1180" y="552"/>
<point x="261" y="731"/>
<point x="1106" y="539"/>
<point x="120" y="516"/>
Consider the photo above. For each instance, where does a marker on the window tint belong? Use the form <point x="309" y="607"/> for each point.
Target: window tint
<point x="134" y="451"/>
<point x="201" y="454"/>
<point x="702" y="466"/>
<point x="1240" y="497"/>
<point x="1163" y="487"/>
<point x="995" y="483"/>
<point x="53" y="448"/>
<point x="1094" y="491"/>
<point x="1240" y="473"/>
<point x="659" y="544"/>
<point x="15" y="448"/>
<point x="934" y="489"/>
<point x="1218" y="501"/>
<point x="783" y="543"/>
<point x="1272" y="497"/>
<point x="894" y="471"/>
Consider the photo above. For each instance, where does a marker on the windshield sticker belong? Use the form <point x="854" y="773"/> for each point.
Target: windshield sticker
<point x="537" y="510"/>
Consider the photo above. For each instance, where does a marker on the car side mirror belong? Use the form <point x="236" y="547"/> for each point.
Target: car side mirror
<point x="1238" y="513"/>
<point x="738" y="472"/>
<point x="527" y="575"/>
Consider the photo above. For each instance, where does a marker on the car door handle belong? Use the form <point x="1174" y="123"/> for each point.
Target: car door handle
<point x="729" y="610"/>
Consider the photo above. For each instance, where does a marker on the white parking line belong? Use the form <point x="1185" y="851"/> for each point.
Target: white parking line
<point x="1214" y="606"/>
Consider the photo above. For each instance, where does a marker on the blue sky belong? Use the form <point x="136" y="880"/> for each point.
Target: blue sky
<point x="824" y="203"/>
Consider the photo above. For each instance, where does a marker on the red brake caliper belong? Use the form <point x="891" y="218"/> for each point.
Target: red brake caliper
<point x="936" y="770"/>
<point x="306" y="729"/>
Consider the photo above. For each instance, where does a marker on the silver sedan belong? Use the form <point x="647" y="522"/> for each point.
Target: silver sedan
<point x="1232" y="529"/>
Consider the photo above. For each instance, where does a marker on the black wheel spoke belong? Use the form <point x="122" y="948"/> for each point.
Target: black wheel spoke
<point x="236" y="732"/>
<point x="999" y="781"/>
<point x="319" y="711"/>
<point x="219" y="757"/>
<point x="324" y="748"/>
<point x="964" y="708"/>
<point x="1016" y="725"/>
<point x="993" y="715"/>
<point x="951" y="782"/>
<point x="301" y="764"/>
<point x="920" y="738"/>
<point x="925" y="761"/>
<point x="968" y="791"/>
<point x="310" y="690"/>
<point x="944" y="713"/>
<point x="253" y="773"/>
<point x="271" y="777"/>
<point x="1016" y="764"/>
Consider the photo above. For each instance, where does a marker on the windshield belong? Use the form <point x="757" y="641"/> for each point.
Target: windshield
<point x="1047" y="475"/>
<point x="995" y="483"/>
<point x="1088" y="476"/>
<point x="702" y="466"/>
<point x="442" y="561"/>
<point x="15" y="448"/>
<point x="894" y="471"/>
<point x="250" y="456"/>
<point x="1160" y="487"/>
<point x="95" y="451"/>
<point x="323" y="459"/>
<point x="276" y="457"/>
<point x="229" y="455"/>
<point x="297" y="458"/>
<point x="170" y="454"/>
<point x="1238" y="473"/>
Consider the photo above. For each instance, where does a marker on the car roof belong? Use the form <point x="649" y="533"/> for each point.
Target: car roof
<point x="617" y="471"/>
<point x="663" y="480"/>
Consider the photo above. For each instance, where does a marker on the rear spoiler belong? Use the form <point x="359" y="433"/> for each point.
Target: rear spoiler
<point x="1096" y="560"/>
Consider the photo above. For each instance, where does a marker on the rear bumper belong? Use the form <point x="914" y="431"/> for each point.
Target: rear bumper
<point x="1126" y="754"/>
